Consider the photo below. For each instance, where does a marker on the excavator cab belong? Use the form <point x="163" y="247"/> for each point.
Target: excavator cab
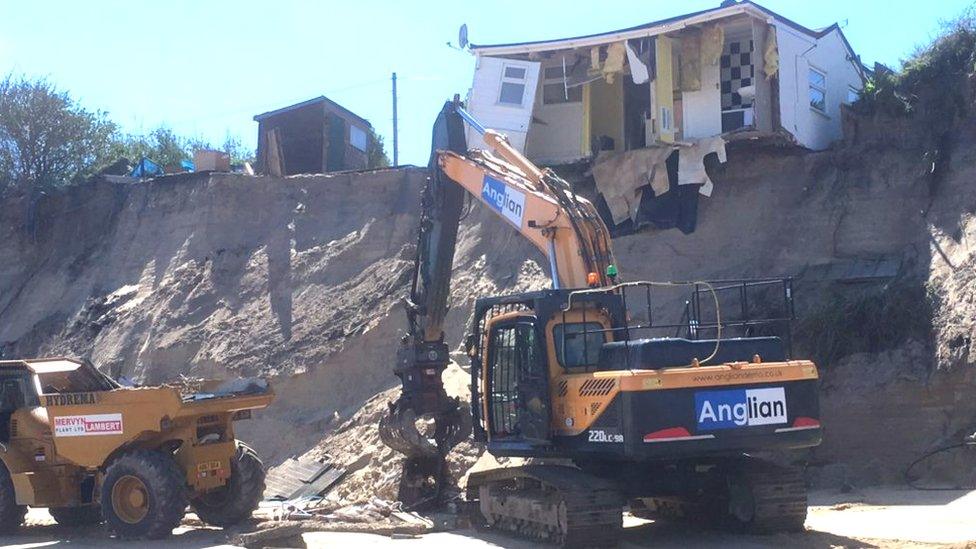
<point x="521" y="347"/>
<point x="516" y="380"/>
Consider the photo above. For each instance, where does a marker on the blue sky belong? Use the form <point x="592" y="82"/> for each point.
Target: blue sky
<point x="204" y="68"/>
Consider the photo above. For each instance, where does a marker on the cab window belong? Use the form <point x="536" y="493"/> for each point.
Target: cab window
<point x="16" y="390"/>
<point x="578" y="344"/>
<point x="512" y="353"/>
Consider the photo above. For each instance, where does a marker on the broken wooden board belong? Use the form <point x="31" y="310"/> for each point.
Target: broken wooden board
<point x="286" y="534"/>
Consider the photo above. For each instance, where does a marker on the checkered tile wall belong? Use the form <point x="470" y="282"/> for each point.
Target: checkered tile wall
<point x="737" y="72"/>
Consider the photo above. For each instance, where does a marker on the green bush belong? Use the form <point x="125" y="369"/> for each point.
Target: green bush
<point x="865" y="320"/>
<point x="934" y="84"/>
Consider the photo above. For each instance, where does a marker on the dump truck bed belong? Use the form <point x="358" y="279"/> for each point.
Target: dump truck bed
<point x="88" y="426"/>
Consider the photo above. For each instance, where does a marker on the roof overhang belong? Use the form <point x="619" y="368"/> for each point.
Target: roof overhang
<point x="617" y="36"/>
<point x="744" y="7"/>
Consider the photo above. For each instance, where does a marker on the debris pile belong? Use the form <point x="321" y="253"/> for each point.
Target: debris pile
<point x="373" y="469"/>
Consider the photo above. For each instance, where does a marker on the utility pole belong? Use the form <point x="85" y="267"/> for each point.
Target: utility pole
<point x="396" y="151"/>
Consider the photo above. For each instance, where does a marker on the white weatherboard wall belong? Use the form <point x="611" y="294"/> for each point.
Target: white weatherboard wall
<point x="701" y="111"/>
<point x="799" y="52"/>
<point x="484" y="104"/>
<point x="556" y="131"/>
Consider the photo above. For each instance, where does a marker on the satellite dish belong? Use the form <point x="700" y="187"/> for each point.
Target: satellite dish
<point x="463" y="36"/>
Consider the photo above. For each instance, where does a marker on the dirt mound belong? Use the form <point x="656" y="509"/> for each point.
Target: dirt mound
<point x="372" y="468"/>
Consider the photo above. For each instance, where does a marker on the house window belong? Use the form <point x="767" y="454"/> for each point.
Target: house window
<point x="554" y="90"/>
<point x="852" y="95"/>
<point x="818" y="90"/>
<point x="513" y="85"/>
<point x="358" y="138"/>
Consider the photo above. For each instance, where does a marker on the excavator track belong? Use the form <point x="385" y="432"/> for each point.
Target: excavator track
<point x="767" y="498"/>
<point x="752" y="496"/>
<point x="549" y="503"/>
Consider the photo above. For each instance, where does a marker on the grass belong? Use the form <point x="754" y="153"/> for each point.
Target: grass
<point x="865" y="320"/>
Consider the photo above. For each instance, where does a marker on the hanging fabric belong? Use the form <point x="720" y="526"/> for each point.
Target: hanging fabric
<point x="638" y="70"/>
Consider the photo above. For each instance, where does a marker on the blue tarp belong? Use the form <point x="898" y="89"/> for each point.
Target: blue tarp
<point x="146" y="168"/>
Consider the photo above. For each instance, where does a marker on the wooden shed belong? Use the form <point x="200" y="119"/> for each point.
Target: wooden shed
<point x="315" y="136"/>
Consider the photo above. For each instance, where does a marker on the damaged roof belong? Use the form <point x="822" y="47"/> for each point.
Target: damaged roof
<point x="317" y="100"/>
<point x="660" y="26"/>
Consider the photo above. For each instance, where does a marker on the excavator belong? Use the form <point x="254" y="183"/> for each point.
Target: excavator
<point x="611" y="419"/>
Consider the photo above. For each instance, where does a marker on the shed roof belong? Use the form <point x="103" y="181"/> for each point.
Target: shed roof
<point x="323" y="100"/>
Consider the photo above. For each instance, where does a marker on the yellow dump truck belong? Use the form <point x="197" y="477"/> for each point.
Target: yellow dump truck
<point x="75" y="441"/>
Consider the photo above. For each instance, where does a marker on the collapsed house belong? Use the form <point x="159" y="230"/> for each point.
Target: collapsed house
<point x="629" y="99"/>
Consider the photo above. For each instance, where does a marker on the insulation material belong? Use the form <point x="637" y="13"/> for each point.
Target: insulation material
<point x="691" y="163"/>
<point x="615" y="61"/>
<point x="771" y="53"/>
<point x="691" y="61"/>
<point x="638" y="70"/>
<point x="712" y="41"/>
<point x="660" y="183"/>
<point x="664" y="89"/>
<point x="595" y="59"/>
<point x="619" y="177"/>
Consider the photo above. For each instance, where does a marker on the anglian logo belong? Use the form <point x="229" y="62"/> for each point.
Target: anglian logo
<point x="507" y="201"/>
<point x="740" y="408"/>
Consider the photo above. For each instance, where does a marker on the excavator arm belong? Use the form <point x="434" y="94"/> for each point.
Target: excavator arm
<point x="424" y="423"/>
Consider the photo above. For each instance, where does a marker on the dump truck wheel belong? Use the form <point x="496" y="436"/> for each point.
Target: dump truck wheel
<point x="11" y="514"/>
<point x="82" y="515"/>
<point x="235" y="501"/>
<point x="143" y="495"/>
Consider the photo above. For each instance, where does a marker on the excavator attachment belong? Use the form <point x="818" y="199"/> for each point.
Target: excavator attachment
<point x="424" y="423"/>
<point x="426" y="435"/>
<point x="425" y="441"/>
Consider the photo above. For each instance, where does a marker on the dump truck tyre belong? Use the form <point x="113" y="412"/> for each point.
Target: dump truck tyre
<point x="82" y="515"/>
<point x="11" y="514"/>
<point x="143" y="495"/>
<point x="236" y="501"/>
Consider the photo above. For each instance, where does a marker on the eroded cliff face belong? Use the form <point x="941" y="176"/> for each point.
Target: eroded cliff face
<point x="301" y="279"/>
<point x="221" y="275"/>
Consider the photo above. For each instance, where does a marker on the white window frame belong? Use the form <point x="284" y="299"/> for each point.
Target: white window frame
<point x="352" y="142"/>
<point x="853" y="94"/>
<point x="822" y="89"/>
<point x="524" y="82"/>
<point x="545" y="81"/>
